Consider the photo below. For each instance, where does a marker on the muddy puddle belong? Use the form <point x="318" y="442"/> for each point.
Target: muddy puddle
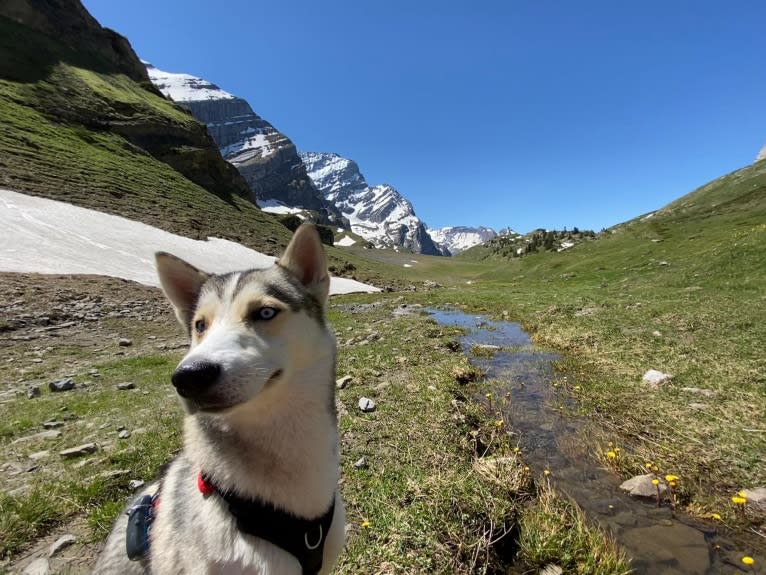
<point x="658" y="541"/>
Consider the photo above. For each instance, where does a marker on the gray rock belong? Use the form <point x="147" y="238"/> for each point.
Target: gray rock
<point x="61" y="543"/>
<point x="641" y="486"/>
<point x="361" y="463"/>
<point x="135" y="484"/>
<point x="47" y="434"/>
<point x="756" y="498"/>
<point x="114" y="473"/>
<point x="39" y="566"/>
<point x="79" y="450"/>
<point x="63" y="384"/>
<point x="367" y="405"/>
<point x="124" y="434"/>
<point x="551" y="570"/>
<point x="124" y="342"/>
<point x="52" y="424"/>
<point x="655" y="378"/>
<point x="33" y="391"/>
<point x="126" y="385"/>
<point x="343" y="381"/>
<point x="38" y="455"/>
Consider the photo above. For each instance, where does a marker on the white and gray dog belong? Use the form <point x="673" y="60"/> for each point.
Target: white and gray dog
<point x="255" y="488"/>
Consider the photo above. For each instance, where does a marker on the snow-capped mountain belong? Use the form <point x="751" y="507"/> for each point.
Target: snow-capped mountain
<point x="380" y="214"/>
<point x="265" y="157"/>
<point x="459" y="238"/>
<point x="761" y="155"/>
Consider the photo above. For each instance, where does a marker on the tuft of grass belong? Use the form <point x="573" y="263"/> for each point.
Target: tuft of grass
<point x="555" y="531"/>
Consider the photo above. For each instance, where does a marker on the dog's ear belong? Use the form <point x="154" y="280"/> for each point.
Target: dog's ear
<point x="181" y="283"/>
<point x="305" y="258"/>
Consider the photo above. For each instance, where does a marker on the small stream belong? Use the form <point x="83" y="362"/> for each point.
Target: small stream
<point x="659" y="541"/>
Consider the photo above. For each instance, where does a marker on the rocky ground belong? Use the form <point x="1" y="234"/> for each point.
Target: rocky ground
<point x="59" y="329"/>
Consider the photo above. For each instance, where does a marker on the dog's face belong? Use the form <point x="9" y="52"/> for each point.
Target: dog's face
<point x="249" y="330"/>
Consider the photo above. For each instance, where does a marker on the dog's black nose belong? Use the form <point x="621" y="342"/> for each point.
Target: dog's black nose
<point x="195" y="377"/>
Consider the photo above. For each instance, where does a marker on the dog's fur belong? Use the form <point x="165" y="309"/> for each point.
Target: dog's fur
<point x="265" y="428"/>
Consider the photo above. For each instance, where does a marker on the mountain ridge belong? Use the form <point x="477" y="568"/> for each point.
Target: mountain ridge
<point x="379" y="213"/>
<point x="266" y="158"/>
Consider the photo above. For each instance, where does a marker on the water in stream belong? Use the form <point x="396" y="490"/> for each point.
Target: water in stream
<point x="659" y="541"/>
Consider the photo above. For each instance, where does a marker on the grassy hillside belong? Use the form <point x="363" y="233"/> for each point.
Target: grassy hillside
<point x="679" y="290"/>
<point x="79" y="129"/>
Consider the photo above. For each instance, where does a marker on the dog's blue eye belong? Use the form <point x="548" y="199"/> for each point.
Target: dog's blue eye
<point x="200" y="325"/>
<point x="265" y="313"/>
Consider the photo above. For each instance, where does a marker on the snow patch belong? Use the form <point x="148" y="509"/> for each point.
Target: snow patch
<point x="49" y="237"/>
<point x="185" y="87"/>
<point x="345" y="241"/>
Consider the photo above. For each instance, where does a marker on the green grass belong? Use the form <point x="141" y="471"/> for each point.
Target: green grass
<point x="63" y="489"/>
<point x="691" y="304"/>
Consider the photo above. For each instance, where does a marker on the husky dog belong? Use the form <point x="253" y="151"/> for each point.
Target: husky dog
<point x="254" y="489"/>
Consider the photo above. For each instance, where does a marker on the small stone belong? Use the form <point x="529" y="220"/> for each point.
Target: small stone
<point x="79" y="450"/>
<point x="367" y="405"/>
<point x="124" y="342"/>
<point x="47" y="434"/>
<point x="38" y="455"/>
<point x="551" y="570"/>
<point x="343" y="381"/>
<point x="33" y="392"/>
<point x="664" y="263"/>
<point x="697" y="406"/>
<point x="52" y="424"/>
<point x="63" y="384"/>
<point x="756" y="498"/>
<point x="93" y="372"/>
<point x="360" y="463"/>
<point x="61" y="543"/>
<point x="657" y="333"/>
<point x="114" y="473"/>
<point x="126" y="385"/>
<point x="641" y="486"/>
<point x="655" y="378"/>
<point x="39" y="566"/>
<point x="135" y="484"/>
<point x="124" y="434"/>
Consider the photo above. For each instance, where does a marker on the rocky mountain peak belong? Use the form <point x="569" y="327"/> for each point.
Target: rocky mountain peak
<point x="457" y="239"/>
<point x="761" y="155"/>
<point x="380" y="214"/>
<point x="266" y="158"/>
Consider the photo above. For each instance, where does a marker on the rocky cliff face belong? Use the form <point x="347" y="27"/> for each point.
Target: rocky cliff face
<point x="265" y="157"/>
<point x="379" y="213"/>
<point x="457" y="239"/>
<point x="71" y="24"/>
<point x="59" y="61"/>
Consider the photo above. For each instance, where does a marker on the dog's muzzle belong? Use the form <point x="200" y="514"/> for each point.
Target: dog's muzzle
<point x="195" y="378"/>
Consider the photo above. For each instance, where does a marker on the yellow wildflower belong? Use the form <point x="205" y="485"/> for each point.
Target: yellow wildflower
<point x="742" y="494"/>
<point x="655" y="482"/>
<point x="499" y="423"/>
<point x="611" y="454"/>
<point x="546" y="473"/>
<point x="365" y="524"/>
<point x="737" y="500"/>
<point x="670" y="478"/>
<point x="747" y="560"/>
<point x="715" y="516"/>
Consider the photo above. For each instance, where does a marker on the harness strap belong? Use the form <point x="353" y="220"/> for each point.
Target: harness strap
<point x="302" y="538"/>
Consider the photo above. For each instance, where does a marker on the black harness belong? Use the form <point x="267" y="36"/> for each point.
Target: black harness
<point x="302" y="538"/>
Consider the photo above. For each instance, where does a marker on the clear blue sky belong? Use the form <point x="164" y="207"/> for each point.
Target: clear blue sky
<point x="521" y="113"/>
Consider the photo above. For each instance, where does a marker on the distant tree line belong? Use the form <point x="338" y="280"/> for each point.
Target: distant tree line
<point x="539" y="240"/>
